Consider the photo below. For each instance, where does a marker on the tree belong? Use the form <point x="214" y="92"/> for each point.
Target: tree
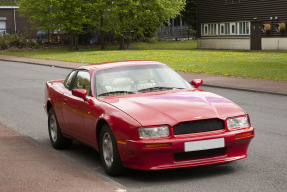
<point x="8" y="2"/>
<point x="189" y="13"/>
<point x="123" y="18"/>
<point x="73" y="16"/>
<point x="140" y="17"/>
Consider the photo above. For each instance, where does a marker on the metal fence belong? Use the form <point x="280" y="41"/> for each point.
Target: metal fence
<point x="6" y="31"/>
<point x="175" y="33"/>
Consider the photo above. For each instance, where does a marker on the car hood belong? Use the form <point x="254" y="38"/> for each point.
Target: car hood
<point x="159" y="108"/>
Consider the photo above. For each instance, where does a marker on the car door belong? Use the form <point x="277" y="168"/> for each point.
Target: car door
<point x="75" y="110"/>
<point x="58" y="101"/>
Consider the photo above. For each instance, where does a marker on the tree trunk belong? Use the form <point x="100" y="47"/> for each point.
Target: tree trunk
<point x="129" y="39"/>
<point x="102" y="34"/>
<point x="103" y="45"/>
<point x="76" y="42"/>
<point x="122" y="43"/>
<point x="71" y="47"/>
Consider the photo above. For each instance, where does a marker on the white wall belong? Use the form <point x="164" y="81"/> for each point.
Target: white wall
<point x="243" y="44"/>
<point x="279" y="43"/>
<point x="274" y="43"/>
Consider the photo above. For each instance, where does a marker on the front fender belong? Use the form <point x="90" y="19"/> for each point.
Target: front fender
<point x="123" y="125"/>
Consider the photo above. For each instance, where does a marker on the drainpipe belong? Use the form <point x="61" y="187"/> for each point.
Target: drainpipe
<point x="15" y="27"/>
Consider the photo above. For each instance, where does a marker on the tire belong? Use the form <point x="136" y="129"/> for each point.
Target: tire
<point x="58" y="141"/>
<point x="109" y="152"/>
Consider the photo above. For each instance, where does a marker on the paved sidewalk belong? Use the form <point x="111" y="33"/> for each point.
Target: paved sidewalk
<point x="25" y="165"/>
<point x="276" y="87"/>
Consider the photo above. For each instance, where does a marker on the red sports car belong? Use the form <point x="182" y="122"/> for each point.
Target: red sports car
<point x="143" y="115"/>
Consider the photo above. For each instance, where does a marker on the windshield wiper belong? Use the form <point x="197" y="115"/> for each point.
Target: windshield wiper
<point x="111" y="93"/>
<point x="157" y="88"/>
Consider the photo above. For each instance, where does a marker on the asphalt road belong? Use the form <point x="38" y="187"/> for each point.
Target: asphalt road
<point x="22" y="96"/>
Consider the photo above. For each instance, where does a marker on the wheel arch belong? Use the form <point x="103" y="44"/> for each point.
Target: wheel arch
<point x="49" y="106"/>
<point x="100" y="125"/>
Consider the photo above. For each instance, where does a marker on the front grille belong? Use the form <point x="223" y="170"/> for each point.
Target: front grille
<point x="198" y="154"/>
<point x="198" y="126"/>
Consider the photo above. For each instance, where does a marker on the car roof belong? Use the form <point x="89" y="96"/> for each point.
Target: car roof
<point x="106" y="65"/>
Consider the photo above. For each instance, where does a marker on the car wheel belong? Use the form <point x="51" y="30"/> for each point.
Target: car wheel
<point x="109" y="152"/>
<point x="58" y="141"/>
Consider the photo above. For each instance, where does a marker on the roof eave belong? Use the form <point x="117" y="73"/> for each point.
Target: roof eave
<point x="9" y="7"/>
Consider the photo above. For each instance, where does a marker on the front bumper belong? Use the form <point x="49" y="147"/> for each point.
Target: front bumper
<point x="134" y="153"/>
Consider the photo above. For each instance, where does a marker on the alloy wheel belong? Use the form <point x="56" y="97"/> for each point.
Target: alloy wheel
<point x="107" y="149"/>
<point x="53" y="128"/>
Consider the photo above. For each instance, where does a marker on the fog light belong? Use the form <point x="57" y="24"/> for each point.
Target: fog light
<point x="157" y="145"/>
<point x="244" y="135"/>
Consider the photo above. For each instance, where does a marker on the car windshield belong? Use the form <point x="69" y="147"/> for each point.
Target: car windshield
<point x="137" y="79"/>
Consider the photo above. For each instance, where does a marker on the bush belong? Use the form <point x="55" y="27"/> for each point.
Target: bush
<point x="152" y="39"/>
<point x="36" y="45"/>
<point x="33" y="44"/>
<point x="15" y="40"/>
<point x="3" y="45"/>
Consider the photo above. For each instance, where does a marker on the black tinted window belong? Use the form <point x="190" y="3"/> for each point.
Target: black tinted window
<point x="82" y="81"/>
<point x="69" y="79"/>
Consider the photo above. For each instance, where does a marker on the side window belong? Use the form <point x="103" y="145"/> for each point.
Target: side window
<point x="83" y="81"/>
<point x="69" y="79"/>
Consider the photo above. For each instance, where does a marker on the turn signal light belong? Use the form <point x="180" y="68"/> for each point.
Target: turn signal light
<point x="157" y="145"/>
<point x="244" y="134"/>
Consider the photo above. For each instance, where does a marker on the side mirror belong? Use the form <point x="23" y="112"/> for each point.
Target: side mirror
<point x="82" y="93"/>
<point x="196" y="82"/>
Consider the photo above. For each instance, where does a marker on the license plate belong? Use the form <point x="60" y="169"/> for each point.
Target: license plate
<point x="204" y="144"/>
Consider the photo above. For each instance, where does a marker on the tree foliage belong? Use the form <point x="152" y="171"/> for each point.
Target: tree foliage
<point x="70" y="15"/>
<point x="189" y="13"/>
<point x="121" y="17"/>
<point x="140" y="17"/>
<point x="73" y="16"/>
<point x="8" y="2"/>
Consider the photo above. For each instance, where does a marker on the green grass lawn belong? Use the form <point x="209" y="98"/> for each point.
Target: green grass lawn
<point x="181" y="56"/>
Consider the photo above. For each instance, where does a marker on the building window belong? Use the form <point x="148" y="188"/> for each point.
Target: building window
<point x="226" y="28"/>
<point x="222" y="29"/>
<point x="2" y="25"/>
<point x="233" y="30"/>
<point x="214" y="29"/>
<point x="205" y="29"/>
<point x="244" y="28"/>
<point x="209" y="29"/>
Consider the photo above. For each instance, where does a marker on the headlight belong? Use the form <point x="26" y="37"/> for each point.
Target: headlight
<point x="237" y="122"/>
<point x="154" y="132"/>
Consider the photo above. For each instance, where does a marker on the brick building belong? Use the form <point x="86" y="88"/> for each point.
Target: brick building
<point x="11" y="22"/>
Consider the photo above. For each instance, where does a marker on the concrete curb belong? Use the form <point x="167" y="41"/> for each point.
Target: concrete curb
<point x="39" y="64"/>
<point x="243" y="89"/>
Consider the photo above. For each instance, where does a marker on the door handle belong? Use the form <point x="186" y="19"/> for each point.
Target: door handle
<point x="65" y="101"/>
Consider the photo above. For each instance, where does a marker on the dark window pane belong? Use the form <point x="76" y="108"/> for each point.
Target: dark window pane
<point x="69" y="79"/>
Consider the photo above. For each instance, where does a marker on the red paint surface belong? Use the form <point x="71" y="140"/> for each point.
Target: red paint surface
<point x="80" y="119"/>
